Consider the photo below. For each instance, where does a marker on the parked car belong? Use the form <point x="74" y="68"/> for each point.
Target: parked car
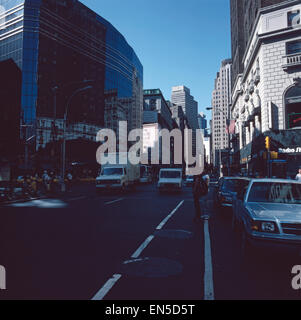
<point x="227" y="187"/>
<point x="170" y="179"/>
<point x="188" y="182"/>
<point x="267" y="214"/>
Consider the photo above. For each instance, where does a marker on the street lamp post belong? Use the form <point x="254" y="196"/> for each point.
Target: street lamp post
<point x="64" y="135"/>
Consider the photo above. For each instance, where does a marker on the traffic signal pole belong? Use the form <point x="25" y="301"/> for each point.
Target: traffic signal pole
<point x="268" y="148"/>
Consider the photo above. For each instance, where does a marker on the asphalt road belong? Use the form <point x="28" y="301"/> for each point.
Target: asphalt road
<point x="140" y="245"/>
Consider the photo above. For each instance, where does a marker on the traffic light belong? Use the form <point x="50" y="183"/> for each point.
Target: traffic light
<point x="267" y="143"/>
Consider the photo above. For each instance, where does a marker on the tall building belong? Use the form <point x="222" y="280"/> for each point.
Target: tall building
<point x="202" y="122"/>
<point x="221" y="99"/>
<point x="61" y="47"/>
<point x="243" y="19"/>
<point x="10" y="106"/>
<point x="181" y="96"/>
<point x="266" y="97"/>
<point x="156" y="116"/>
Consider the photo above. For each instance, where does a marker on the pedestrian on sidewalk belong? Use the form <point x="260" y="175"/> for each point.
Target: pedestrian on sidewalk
<point x="69" y="181"/>
<point x="46" y="182"/>
<point x="298" y="176"/>
<point x="200" y="191"/>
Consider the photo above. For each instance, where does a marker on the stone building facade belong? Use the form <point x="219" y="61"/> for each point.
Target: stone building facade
<point x="266" y="97"/>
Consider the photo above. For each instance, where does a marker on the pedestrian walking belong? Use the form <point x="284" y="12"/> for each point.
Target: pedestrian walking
<point x="46" y="181"/>
<point x="199" y="190"/>
<point x="69" y="181"/>
<point x="298" y="176"/>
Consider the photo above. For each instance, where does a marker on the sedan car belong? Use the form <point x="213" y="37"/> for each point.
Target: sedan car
<point x="267" y="214"/>
<point x="227" y="187"/>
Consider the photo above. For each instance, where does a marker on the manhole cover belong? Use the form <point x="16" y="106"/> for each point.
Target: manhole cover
<point x="151" y="267"/>
<point x="173" y="234"/>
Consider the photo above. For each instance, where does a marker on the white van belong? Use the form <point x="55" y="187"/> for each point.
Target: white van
<point x="118" y="176"/>
<point x="170" y="179"/>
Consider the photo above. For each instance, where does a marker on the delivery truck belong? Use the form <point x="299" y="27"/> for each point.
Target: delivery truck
<point x="121" y="175"/>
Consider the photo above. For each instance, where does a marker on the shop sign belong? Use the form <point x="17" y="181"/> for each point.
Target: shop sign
<point x="290" y="150"/>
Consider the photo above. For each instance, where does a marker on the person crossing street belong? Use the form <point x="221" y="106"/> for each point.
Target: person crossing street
<point x="199" y="190"/>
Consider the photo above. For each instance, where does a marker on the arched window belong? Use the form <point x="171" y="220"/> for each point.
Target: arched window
<point x="293" y="107"/>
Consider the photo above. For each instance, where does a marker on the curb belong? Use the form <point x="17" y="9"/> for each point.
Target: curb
<point x="22" y="200"/>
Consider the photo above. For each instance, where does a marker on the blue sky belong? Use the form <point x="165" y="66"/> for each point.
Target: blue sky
<point x="178" y="42"/>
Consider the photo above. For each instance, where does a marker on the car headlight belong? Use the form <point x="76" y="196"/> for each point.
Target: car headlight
<point x="264" y="226"/>
<point x="268" y="227"/>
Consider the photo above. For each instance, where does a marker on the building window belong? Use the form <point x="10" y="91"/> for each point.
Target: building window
<point x="293" y="47"/>
<point x="293" y="107"/>
<point x="293" y="18"/>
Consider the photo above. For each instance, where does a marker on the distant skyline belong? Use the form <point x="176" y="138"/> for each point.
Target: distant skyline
<point x="178" y="43"/>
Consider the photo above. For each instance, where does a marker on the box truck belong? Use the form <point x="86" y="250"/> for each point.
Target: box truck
<point x="120" y="175"/>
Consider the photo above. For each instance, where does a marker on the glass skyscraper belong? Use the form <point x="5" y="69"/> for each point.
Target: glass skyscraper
<point x="59" y="44"/>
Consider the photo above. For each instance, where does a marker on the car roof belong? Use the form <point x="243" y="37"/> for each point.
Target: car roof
<point x="275" y="180"/>
<point x="238" y="178"/>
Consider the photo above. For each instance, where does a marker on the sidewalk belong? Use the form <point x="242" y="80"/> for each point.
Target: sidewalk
<point x="78" y="189"/>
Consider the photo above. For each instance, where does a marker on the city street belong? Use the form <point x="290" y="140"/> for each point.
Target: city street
<point x="140" y="245"/>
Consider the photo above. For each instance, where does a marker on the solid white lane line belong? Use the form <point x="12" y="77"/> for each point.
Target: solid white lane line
<point x="114" y="201"/>
<point x="160" y="226"/>
<point x="208" y="274"/>
<point x="142" y="247"/>
<point x="107" y="287"/>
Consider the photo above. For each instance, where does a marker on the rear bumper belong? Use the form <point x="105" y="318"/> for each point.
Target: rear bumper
<point x="170" y="186"/>
<point x="108" y="186"/>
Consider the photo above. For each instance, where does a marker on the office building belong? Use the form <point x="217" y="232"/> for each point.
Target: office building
<point x="221" y="100"/>
<point x="10" y="109"/>
<point x="243" y="19"/>
<point x="63" y="47"/>
<point x="156" y="117"/>
<point x="181" y="96"/>
<point x="266" y="96"/>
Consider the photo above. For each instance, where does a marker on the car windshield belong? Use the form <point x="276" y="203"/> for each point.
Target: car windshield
<point x="170" y="174"/>
<point x="275" y="192"/>
<point x="112" y="171"/>
<point x="234" y="185"/>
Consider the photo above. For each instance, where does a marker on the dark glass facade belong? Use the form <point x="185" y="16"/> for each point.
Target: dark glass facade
<point x="10" y="97"/>
<point x="59" y="44"/>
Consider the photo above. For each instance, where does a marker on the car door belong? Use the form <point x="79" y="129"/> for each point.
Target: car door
<point x="239" y="206"/>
